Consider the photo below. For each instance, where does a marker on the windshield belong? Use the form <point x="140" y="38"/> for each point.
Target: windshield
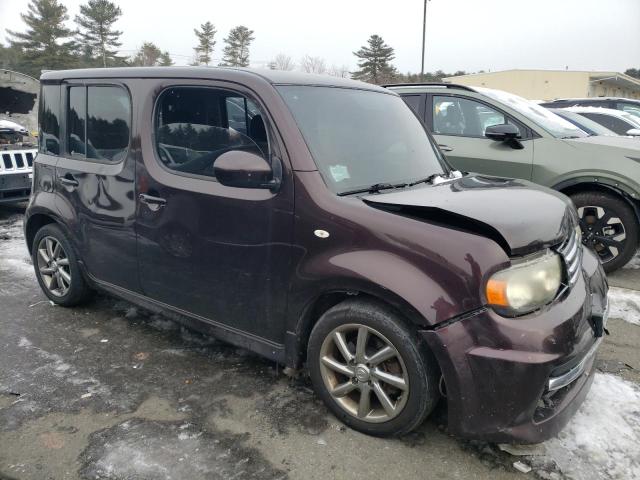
<point x="360" y="138"/>
<point x="585" y="123"/>
<point x="552" y="123"/>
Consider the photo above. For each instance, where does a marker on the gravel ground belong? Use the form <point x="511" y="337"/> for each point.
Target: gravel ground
<point x="109" y="391"/>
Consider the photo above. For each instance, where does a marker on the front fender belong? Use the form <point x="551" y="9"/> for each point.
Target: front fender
<point x="391" y="278"/>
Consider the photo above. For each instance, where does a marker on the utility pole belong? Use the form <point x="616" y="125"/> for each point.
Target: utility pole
<point x="424" y="33"/>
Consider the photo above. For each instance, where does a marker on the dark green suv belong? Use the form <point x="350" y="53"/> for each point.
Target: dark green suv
<point x="497" y="133"/>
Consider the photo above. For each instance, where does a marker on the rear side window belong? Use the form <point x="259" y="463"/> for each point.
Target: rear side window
<point x="194" y="126"/>
<point x="50" y="120"/>
<point x="76" y="121"/>
<point x="612" y="123"/>
<point x="98" y="122"/>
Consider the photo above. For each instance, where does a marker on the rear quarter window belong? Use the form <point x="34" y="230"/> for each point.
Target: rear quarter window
<point x="49" y="137"/>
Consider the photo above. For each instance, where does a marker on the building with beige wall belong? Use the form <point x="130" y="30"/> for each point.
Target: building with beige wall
<point x="552" y="84"/>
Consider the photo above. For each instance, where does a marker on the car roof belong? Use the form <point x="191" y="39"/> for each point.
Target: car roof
<point x="594" y="99"/>
<point x="426" y="86"/>
<point x="275" y="77"/>
<point x="604" y="111"/>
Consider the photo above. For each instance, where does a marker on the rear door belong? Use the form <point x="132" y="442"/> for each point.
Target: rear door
<point x="458" y="124"/>
<point x="217" y="252"/>
<point x="95" y="177"/>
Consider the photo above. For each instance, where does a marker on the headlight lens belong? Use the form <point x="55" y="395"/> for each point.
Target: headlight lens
<point x="526" y="285"/>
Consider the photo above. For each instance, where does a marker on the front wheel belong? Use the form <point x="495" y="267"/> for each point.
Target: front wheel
<point x="371" y="369"/>
<point x="609" y="227"/>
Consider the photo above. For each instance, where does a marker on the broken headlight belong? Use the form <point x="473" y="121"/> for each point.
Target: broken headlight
<point x="526" y="285"/>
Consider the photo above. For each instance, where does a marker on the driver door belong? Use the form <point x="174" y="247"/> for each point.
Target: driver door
<point x="216" y="252"/>
<point x="458" y="125"/>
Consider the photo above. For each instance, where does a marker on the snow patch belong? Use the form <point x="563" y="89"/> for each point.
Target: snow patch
<point x="24" y="342"/>
<point x="634" y="263"/>
<point x="14" y="256"/>
<point x="602" y="441"/>
<point x="624" y="304"/>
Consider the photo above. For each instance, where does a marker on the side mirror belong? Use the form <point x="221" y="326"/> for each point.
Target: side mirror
<point x="241" y="169"/>
<point x="634" y="132"/>
<point x="506" y="133"/>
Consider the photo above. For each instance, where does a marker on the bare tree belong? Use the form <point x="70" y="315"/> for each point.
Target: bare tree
<point x="340" y="71"/>
<point x="311" y="64"/>
<point x="281" y="62"/>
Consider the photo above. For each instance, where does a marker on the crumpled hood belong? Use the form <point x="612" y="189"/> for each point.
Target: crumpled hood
<point x="520" y="216"/>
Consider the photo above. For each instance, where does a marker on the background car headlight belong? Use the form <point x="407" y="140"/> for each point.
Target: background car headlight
<point x="527" y="285"/>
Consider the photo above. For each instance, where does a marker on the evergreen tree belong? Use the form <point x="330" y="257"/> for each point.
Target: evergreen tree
<point x="374" y="64"/>
<point x="165" y="60"/>
<point x="206" y="43"/>
<point x="96" y="20"/>
<point x="633" y="72"/>
<point x="46" y="44"/>
<point x="149" y="55"/>
<point x="236" y="52"/>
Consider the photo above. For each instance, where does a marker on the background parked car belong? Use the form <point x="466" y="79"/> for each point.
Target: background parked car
<point x="622" y="123"/>
<point x="616" y="103"/>
<point x="16" y="162"/>
<point x="497" y="133"/>
<point x="583" y="123"/>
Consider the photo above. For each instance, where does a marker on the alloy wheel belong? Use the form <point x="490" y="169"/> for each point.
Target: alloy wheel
<point x="53" y="265"/>
<point x="602" y="231"/>
<point x="364" y="373"/>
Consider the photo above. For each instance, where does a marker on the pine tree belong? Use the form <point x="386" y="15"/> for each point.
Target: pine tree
<point x="206" y="43"/>
<point x="236" y="52"/>
<point x="96" y="19"/>
<point x="375" y="61"/>
<point x="46" y="44"/>
<point x="149" y="55"/>
<point x="165" y="60"/>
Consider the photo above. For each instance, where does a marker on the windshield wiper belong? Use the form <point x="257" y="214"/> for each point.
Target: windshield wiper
<point x="428" y="179"/>
<point x="375" y="188"/>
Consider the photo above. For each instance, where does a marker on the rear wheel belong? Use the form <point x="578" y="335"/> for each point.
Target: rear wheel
<point x="56" y="266"/>
<point x="609" y="227"/>
<point x="371" y="370"/>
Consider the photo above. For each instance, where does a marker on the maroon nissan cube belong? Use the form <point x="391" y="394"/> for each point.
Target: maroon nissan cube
<point x="314" y="221"/>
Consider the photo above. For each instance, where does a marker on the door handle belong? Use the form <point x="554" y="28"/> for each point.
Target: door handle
<point x="154" y="203"/>
<point x="445" y="148"/>
<point x="69" y="181"/>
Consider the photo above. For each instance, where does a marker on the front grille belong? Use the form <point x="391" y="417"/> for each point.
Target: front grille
<point x="15" y="161"/>
<point x="571" y="252"/>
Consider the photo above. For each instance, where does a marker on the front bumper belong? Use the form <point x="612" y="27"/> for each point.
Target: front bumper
<point x="15" y="187"/>
<point x="521" y="380"/>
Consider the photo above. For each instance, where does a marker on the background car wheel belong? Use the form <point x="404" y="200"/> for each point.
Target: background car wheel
<point x="56" y="266"/>
<point x="609" y="227"/>
<point x="371" y="369"/>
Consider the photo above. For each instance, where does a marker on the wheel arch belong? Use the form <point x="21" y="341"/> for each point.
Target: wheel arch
<point x="297" y="336"/>
<point x="34" y="223"/>
<point x="620" y="190"/>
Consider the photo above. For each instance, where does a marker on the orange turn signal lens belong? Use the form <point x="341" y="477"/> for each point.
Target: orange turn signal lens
<point x="497" y="293"/>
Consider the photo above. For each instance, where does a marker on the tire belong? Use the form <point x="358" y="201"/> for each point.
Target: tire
<point x="609" y="227"/>
<point x="387" y="331"/>
<point x="63" y="272"/>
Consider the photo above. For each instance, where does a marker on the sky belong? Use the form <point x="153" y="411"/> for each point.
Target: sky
<point x="468" y="35"/>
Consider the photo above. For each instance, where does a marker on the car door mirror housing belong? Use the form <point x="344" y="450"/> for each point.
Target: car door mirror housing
<point x="241" y="169"/>
<point x="502" y="132"/>
<point x="634" y="132"/>
<point x="506" y="133"/>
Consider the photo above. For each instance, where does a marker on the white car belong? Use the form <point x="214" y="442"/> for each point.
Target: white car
<point x="16" y="162"/>
<point x="620" y="122"/>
